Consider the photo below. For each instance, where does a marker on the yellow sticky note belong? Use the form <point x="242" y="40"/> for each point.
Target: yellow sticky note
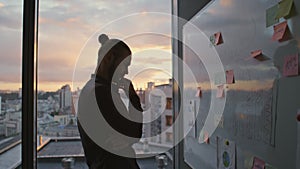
<point x="285" y="7"/>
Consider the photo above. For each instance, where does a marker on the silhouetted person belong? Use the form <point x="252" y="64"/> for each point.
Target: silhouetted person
<point x="114" y="57"/>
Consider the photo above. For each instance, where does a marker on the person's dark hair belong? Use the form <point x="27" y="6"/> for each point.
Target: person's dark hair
<point x="110" y="48"/>
<point x="110" y="45"/>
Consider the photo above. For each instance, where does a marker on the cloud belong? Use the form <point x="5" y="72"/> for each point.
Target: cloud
<point x="149" y="40"/>
<point x="225" y="13"/>
<point x="11" y="17"/>
<point x="225" y="3"/>
<point x="10" y="74"/>
<point x="143" y="76"/>
<point x="99" y="13"/>
<point x="10" y="56"/>
<point x="136" y="24"/>
<point x="64" y="17"/>
<point x="152" y="60"/>
<point x="55" y="69"/>
<point x="1" y="5"/>
<point x="65" y="26"/>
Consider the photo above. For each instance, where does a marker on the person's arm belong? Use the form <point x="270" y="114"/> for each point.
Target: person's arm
<point x="135" y="108"/>
<point x="115" y="118"/>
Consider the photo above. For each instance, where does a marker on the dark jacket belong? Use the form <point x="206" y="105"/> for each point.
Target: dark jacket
<point x="118" y="117"/>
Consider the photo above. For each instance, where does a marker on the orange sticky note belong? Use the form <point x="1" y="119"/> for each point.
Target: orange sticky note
<point x="220" y="91"/>
<point x="256" y="53"/>
<point x="229" y="77"/>
<point x="280" y="31"/>
<point x="206" y="137"/>
<point x="203" y="137"/>
<point x="258" y="163"/>
<point x="290" y="66"/>
<point x="218" y="38"/>
<point x="199" y="92"/>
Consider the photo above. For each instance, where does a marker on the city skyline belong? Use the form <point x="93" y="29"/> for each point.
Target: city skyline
<point x="68" y="31"/>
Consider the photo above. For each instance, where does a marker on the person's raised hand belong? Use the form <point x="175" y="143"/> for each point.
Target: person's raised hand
<point x="127" y="86"/>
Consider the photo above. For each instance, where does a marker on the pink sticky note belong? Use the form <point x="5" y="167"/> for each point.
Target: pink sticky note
<point x="290" y="66"/>
<point x="218" y="38"/>
<point x="256" y="53"/>
<point x="199" y="92"/>
<point x="258" y="163"/>
<point x="220" y="91"/>
<point x="206" y="137"/>
<point x="280" y="31"/>
<point x="229" y="77"/>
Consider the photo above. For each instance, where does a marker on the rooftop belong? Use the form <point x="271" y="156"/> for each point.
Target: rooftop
<point x="52" y="151"/>
<point x="61" y="148"/>
<point x="51" y="154"/>
<point x="10" y="152"/>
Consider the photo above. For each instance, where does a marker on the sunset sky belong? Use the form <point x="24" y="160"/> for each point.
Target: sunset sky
<point x="68" y="41"/>
<point x="68" y="46"/>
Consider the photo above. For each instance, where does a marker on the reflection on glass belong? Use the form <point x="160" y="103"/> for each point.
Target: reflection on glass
<point x="249" y="79"/>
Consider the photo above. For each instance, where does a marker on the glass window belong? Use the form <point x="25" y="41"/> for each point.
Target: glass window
<point x="68" y="48"/>
<point x="10" y="83"/>
<point x="169" y="120"/>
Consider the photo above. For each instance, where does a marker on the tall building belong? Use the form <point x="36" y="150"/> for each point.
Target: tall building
<point x="166" y="117"/>
<point x="158" y="110"/>
<point x="65" y="96"/>
<point x="20" y="92"/>
<point x="150" y="85"/>
<point x="75" y="98"/>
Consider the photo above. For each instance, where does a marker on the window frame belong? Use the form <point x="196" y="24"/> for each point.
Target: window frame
<point x="182" y="12"/>
<point x="29" y="68"/>
<point x="28" y="154"/>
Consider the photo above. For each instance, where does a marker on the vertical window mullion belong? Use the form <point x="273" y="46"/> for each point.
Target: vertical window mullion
<point x="28" y="147"/>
